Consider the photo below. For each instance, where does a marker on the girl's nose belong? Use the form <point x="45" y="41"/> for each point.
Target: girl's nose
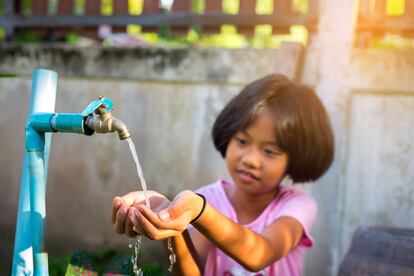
<point x="252" y="158"/>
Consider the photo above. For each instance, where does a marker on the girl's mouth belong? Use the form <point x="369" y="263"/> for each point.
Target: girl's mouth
<point x="245" y="176"/>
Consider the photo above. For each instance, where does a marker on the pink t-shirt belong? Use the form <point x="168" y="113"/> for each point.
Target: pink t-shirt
<point x="289" y="202"/>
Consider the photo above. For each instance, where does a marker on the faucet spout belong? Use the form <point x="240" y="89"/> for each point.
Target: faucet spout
<point x="107" y="123"/>
<point x="121" y="128"/>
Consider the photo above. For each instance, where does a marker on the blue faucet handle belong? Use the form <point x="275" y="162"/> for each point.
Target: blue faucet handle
<point x="93" y="106"/>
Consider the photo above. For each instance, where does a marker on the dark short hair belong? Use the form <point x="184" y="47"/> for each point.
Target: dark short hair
<point x="302" y="126"/>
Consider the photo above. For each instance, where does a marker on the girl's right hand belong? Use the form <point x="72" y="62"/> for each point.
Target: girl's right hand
<point x="124" y="207"/>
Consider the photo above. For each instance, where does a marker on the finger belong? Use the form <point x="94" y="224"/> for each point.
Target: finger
<point x="120" y="218"/>
<point x="141" y="231"/>
<point x="181" y="204"/>
<point x="133" y="197"/>
<point x="136" y="220"/>
<point x="129" y="225"/>
<point x="116" y="204"/>
<point x="134" y="217"/>
<point x="153" y="232"/>
<point x="150" y="215"/>
<point x="179" y="223"/>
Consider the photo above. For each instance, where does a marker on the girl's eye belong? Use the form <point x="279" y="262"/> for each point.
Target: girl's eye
<point x="271" y="152"/>
<point x="240" y="141"/>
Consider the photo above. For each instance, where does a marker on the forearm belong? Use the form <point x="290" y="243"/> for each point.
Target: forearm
<point x="187" y="262"/>
<point x="248" y="248"/>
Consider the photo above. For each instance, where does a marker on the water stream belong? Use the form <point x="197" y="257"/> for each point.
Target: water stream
<point x="139" y="170"/>
<point x="138" y="240"/>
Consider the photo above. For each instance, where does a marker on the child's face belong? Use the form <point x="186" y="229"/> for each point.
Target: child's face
<point x="254" y="161"/>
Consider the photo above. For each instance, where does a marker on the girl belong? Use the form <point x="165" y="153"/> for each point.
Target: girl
<point x="274" y="128"/>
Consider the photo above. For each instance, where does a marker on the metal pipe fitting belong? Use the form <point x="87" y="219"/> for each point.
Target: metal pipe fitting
<point x="108" y="123"/>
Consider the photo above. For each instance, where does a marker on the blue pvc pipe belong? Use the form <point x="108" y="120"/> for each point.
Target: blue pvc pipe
<point x="30" y="256"/>
<point x="36" y="127"/>
<point x="37" y="181"/>
<point x="43" y="99"/>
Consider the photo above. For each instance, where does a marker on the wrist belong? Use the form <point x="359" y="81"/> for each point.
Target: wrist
<point x="202" y="206"/>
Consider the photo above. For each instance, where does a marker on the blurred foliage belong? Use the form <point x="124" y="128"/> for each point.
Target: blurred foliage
<point x="391" y="41"/>
<point x="72" y="38"/>
<point x="27" y="37"/>
<point x="26" y="7"/>
<point x="99" y="263"/>
<point x="106" y="7"/>
<point x="79" y="7"/>
<point x="57" y="266"/>
<point x="7" y="75"/>
<point x="394" y="39"/>
<point x="395" y="7"/>
<point x="227" y="36"/>
<point x="2" y="34"/>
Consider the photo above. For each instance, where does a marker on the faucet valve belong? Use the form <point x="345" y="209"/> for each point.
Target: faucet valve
<point x="99" y="118"/>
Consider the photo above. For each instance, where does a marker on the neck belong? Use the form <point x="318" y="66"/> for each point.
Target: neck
<point x="249" y="206"/>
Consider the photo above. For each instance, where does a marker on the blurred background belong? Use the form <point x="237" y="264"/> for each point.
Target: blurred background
<point x="169" y="68"/>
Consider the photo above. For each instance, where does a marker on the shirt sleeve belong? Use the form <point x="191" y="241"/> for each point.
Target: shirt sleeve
<point x="303" y="208"/>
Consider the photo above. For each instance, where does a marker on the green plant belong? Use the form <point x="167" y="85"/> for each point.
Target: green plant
<point x="2" y="33"/>
<point x="28" y="37"/>
<point x="105" y="261"/>
<point x="58" y="266"/>
<point x="7" y="75"/>
<point x="72" y="38"/>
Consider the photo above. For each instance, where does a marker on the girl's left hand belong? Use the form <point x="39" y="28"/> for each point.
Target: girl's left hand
<point x="171" y="221"/>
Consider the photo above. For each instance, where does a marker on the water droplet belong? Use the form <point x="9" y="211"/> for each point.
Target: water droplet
<point x="172" y="258"/>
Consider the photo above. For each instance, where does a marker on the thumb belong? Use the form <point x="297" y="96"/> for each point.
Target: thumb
<point x="164" y="214"/>
<point x="177" y="207"/>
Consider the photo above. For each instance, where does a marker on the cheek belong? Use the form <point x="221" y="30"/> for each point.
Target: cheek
<point x="273" y="176"/>
<point x="231" y="154"/>
<point x="278" y="169"/>
<point x="285" y="164"/>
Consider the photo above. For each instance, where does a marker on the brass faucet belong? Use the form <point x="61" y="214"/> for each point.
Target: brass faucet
<point x="102" y="121"/>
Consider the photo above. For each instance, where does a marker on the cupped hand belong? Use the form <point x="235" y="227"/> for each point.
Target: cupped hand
<point x="170" y="221"/>
<point x="122" y="210"/>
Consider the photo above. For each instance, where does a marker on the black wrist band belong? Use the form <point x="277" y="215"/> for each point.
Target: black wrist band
<point x="202" y="208"/>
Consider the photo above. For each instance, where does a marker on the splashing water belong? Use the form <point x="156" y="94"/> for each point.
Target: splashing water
<point x="134" y="259"/>
<point x="172" y="258"/>
<point x="138" y="240"/>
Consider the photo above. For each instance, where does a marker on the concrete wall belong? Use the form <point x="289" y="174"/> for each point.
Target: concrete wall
<point x="169" y="99"/>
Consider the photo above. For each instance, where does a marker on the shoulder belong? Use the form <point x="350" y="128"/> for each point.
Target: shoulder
<point x="296" y="200"/>
<point x="289" y="194"/>
<point x="298" y="204"/>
